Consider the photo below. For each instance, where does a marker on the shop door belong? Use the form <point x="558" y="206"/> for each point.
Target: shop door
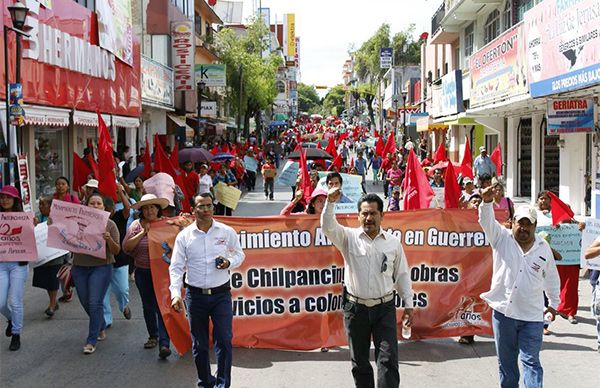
<point x="50" y="163"/>
<point x="525" y="158"/>
<point x="551" y="163"/>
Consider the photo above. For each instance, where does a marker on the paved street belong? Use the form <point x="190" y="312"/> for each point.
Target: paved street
<point x="51" y="353"/>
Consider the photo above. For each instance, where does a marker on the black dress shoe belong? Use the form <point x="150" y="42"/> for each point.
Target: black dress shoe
<point x="164" y="352"/>
<point x="8" y="331"/>
<point x="15" y="342"/>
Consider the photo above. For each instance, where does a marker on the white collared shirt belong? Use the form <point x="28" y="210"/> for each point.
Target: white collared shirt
<point x="205" y="184"/>
<point x="195" y="252"/>
<point x="519" y="278"/>
<point x="364" y="257"/>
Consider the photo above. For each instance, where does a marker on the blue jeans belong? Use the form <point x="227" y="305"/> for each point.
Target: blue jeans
<point x="597" y="318"/>
<point x="152" y="316"/>
<point x="12" y="285"/>
<point x="119" y="285"/>
<point x="515" y="338"/>
<point x="218" y="307"/>
<point x="91" y="284"/>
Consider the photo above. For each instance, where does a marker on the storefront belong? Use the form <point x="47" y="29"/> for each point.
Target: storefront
<point x="157" y="101"/>
<point x="67" y="76"/>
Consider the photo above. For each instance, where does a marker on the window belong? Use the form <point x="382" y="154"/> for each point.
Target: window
<point x="524" y="6"/>
<point x="198" y="24"/>
<point x="160" y="49"/>
<point x="469" y="38"/>
<point x="89" y="4"/>
<point x="507" y="15"/>
<point x="492" y="27"/>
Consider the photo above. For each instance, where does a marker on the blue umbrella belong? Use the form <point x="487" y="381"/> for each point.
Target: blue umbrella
<point x="134" y="173"/>
<point x="223" y="156"/>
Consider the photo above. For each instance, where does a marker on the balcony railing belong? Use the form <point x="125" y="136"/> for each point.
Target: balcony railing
<point x="436" y="20"/>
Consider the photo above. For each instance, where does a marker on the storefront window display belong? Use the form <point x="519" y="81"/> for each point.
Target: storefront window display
<point x="50" y="163"/>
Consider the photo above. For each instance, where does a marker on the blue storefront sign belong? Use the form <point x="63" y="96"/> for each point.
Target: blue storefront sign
<point x="570" y="116"/>
<point x="452" y="96"/>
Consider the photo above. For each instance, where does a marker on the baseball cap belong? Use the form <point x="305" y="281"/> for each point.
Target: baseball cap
<point x="482" y="149"/>
<point x="526" y="211"/>
<point x="467" y="180"/>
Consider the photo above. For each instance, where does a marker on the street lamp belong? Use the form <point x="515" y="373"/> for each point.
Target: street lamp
<point x="199" y="89"/>
<point x="18" y="14"/>
<point x="404" y="93"/>
<point x="395" y="114"/>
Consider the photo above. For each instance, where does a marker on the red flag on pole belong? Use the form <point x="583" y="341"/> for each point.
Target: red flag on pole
<point x="331" y="149"/>
<point x="417" y="190"/>
<point x="466" y="166"/>
<point x="147" y="162"/>
<point x="560" y="210"/>
<point x="451" y="188"/>
<point x="80" y="171"/>
<point x="379" y="147"/>
<point x="305" y="185"/>
<point x="93" y="166"/>
<point x="440" y="153"/>
<point x="175" y="157"/>
<point x="496" y="158"/>
<point x="214" y="150"/>
<point x="161" y="161"/>
<point x="107" y="184"/>
<point x="390" y="145"/>
<point x="337" y="162"/>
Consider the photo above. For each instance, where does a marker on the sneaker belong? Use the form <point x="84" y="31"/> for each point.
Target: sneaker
<point x="102" y="335"/>
<point x="572" y="320"/>
<point x="50" y="310"/>
<point x="324" y="350"/>
<point x="164" y="352"/>
<point x="15" y="342"/>
<point x="8" y="331"/>
<point x="127" y="313"/>
<point x="151" y="343"/>
<point x="89" y="349"/>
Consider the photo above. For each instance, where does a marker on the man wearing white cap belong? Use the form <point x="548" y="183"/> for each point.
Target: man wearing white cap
<point x="483" y="164"/>
<point x="524" y="268"/>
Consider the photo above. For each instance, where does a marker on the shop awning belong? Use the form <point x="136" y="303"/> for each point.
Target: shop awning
<point x="125" y="121"/>
<point x="426" y="124"/>
<point x="43" y="115"/>
<point x="89" y="119"/>
<point x="461" y="121"/>
<point x="180" y="122"/>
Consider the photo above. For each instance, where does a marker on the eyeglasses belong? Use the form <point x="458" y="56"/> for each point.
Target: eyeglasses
<point x="384" y="264"/>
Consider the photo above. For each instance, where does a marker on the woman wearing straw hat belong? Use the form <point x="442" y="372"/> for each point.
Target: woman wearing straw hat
<point x="12" y="276"/>
<point x="136" y="245"/>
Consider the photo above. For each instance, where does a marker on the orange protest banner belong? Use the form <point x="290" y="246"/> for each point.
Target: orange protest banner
<point x="288" y="292"/>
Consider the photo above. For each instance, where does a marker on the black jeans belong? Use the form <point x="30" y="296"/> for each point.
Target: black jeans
<point x="362" y="322"/>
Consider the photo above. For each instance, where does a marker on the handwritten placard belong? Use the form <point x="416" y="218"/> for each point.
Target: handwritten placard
<point x="590" y="233"/>
<point x="227" y="195"/>
<point x="17" y="238"/>
<point x="566" y="239"/>
<point x="289" y="174"/>
<point x="45" y="253"/>
<point x="77" y="228"/>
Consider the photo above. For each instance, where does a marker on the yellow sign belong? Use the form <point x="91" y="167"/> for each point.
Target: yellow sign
<point x="291" y="35"/>
<point x="227" y="195"/>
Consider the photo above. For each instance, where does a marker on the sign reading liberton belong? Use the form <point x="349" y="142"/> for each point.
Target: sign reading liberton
<point x="182" y="34"/>
<point x="498" y="70"/>
<point x="563" y="43"/>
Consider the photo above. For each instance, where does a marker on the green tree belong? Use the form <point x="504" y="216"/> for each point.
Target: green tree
<point x="308" y="99"/>
<point x="251" y="83"/>
<point x="334" y="102"/>
<point x="407" y="51"/>
<point x="368" y="68"/>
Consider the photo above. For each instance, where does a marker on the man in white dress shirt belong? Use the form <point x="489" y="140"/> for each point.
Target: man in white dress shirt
<point x="375" y="265"/>
<point x="523" y="268"/>
<point x="206" y="250"/>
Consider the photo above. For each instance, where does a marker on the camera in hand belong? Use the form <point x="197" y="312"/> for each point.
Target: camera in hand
<point x="219" y="261"/>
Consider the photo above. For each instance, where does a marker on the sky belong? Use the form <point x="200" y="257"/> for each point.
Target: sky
<point x="327" y="28"/>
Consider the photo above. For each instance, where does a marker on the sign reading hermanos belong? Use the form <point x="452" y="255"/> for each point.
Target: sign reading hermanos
<point x="182" y="34"/>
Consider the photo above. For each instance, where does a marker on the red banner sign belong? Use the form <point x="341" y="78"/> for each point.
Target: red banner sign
<point x="62" y="64"/>
<point x="288" y="292"/>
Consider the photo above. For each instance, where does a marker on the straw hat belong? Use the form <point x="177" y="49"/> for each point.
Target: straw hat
<point x="151" y="199"/>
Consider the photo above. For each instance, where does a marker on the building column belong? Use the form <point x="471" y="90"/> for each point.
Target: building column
<point x="572" y="170"/>
<point x="512" y="157"/>
<point x="536" y="156"/>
